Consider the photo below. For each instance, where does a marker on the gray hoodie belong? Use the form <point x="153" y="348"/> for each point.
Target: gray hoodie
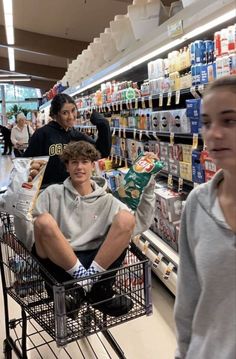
<point x="205" y="310"/>
<point x="85" y="220"/>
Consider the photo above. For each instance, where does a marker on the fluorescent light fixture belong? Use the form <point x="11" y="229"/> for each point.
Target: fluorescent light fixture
<point x="14" y="78"/>
<point x="170" y="45"/>
<point x="8" y="15"/>
<point x="11" y="58"/>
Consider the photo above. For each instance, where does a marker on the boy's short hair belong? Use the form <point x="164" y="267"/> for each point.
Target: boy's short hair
<point x="80" y="150"/>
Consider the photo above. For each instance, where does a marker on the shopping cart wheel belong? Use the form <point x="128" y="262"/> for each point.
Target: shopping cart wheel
<point x="7" y="350"/>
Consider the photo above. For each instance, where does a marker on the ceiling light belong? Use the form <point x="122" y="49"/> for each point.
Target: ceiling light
<point x="8" y="15"/>
<point x="197" y="31"/>
<point x="11" y="58"/>
<point x="14" y="78"/>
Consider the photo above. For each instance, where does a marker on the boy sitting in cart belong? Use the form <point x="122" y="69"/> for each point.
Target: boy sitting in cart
<point x="80" y="229"/>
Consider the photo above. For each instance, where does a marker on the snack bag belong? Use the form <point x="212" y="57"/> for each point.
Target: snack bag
<point x="137" y="178"/>
<point x="25" y="182"/>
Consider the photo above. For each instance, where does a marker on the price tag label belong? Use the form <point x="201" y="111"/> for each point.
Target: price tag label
<point x="170" y="181"/>
<point x="177" y="97"/>
<point x="130" y="104"/>
<point x="140" y="135"/>
<point x="120" y="161"/>
<point x="194" y="92"/>
<point x="180" y="185"/>
<point x="117" y="106"/>
<point x="195" y="141"/>
<point x="204" y="145"/>
<point x="147" y="134"/>
<point x="169" y="95"/>
<point x="119" y="133"/>
<point x="168" y="271"/>
<point x="124" y="133"/>
<point x="145" y="247"/>
<point x="154" y="135"/>
<point x="172" y="138"/>
<point x="126" y="162"/>
<point x="136" y="104"/>
<point x="150" y="102"/>
<point x="157" y="260"/>
<point x="112" y="157"/>
<point x="113" y="132"/>
<point x="121" y="105"/>
<point x="143" y="102"/>
<point x="116" y="161"/>
<point x="134" y="133"/>
<point x="127" y="104"/>
<point x="160" y="99"/>
<point x="113" y="106"/>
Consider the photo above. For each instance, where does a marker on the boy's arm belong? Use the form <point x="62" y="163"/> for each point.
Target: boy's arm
<point x="145" y="210"/>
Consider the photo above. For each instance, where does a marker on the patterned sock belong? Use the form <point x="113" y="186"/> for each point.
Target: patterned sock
<point x="78" y="271"/>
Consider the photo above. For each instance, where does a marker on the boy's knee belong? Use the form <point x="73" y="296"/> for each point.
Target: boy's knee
<point x="125" y="221"/>
<point x="44" y="222"/>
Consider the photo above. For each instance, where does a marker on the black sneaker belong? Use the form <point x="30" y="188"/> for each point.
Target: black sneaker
<point x="107" y="301"/>
<point x="74" y="299"/>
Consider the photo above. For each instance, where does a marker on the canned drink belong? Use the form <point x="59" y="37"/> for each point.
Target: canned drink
<point x="193" y="74"/>
<point x="217" y="43"/>
<point x="224" y="41"/>
<point x="199" y="51"/>
<point x="209" y="51"/>
<point x="198" y="69"/>
<point x="192" y="53"/>
<point x="232" y="38"/>
<point x="232" y="64"/>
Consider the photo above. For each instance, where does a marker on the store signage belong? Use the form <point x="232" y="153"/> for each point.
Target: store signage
<point x="175" y="29"/>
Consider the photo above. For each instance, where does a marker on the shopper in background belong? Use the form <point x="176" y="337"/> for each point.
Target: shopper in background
<point x="205" y="310"/>
<point x="6" y="132"/>
<point x="50" y="139"/>
<point x="20" y="135"/>
<point x="81" y="230"/>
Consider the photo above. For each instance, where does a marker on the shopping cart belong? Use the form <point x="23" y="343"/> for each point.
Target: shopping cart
<point x="44" y="302"/>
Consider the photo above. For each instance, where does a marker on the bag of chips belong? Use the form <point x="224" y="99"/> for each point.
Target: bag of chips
<point x="137" y="178"/>
<point x="25" y="182"/>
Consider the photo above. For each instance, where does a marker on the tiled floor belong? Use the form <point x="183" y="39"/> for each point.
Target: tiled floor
<point x="143" y="338"/>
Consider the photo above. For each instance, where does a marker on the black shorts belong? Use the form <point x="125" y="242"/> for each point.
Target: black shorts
<point x="85" y="257"/>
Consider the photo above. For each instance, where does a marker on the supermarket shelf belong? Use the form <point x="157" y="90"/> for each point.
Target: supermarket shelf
<point x="196" y="91"/>
<point x="161" y="246"/>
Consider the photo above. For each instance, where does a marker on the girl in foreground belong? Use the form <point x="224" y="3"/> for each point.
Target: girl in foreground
<point x="205" y="310"/>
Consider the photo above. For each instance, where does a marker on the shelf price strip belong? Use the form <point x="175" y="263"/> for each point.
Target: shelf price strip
<point x="168" y="271"/>
<point x="177" y="97"/>
<point x="169" y="95"/>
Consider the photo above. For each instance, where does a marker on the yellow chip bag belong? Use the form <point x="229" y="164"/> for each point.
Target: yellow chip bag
<point x="137" y="178"/>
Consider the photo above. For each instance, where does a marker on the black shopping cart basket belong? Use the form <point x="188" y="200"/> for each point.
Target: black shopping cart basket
<point x="61" y="310"/>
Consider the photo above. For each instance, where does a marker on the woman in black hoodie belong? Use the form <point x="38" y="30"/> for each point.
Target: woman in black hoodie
<point x="50" y="139"/>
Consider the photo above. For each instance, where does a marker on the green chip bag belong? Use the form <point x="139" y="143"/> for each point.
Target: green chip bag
<point x="137" y="178"/>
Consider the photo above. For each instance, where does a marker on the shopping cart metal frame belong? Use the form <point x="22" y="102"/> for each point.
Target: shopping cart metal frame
<point x="26" y="284"/>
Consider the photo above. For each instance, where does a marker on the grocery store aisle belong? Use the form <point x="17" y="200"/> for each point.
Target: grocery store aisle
<point x="150" y="337"/>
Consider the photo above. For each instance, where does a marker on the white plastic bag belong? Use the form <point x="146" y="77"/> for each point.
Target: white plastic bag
<point x="25" y="182"/>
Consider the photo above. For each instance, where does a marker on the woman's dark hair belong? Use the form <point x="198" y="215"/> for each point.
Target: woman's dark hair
<point x="58" y="102"/>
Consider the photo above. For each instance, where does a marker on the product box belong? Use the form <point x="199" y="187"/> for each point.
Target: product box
<point x="168" y="204"/>
<point x="174" y="167"/>
<point x="134" y="148"/>
<point x="165" y="120"/>
<point x="198" y="173"/>
<point x="123" y="148"/>
<point x="175" y="152"/>
<point x="153" y="147"/>
<point x="185" y="170"/>
<point x="115" y="148"/>
<point x="193" y="113"/>
<point x="155" y="121"/>
<point x="187" y="153"/>
<point x="164" y="150"/>
<point x="110" y="177"/>
<point x="131" y="122"/>
<point x="166" y="230"/>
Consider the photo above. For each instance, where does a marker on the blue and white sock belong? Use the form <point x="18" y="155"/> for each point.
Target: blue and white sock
<point x="78" y="271"/>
